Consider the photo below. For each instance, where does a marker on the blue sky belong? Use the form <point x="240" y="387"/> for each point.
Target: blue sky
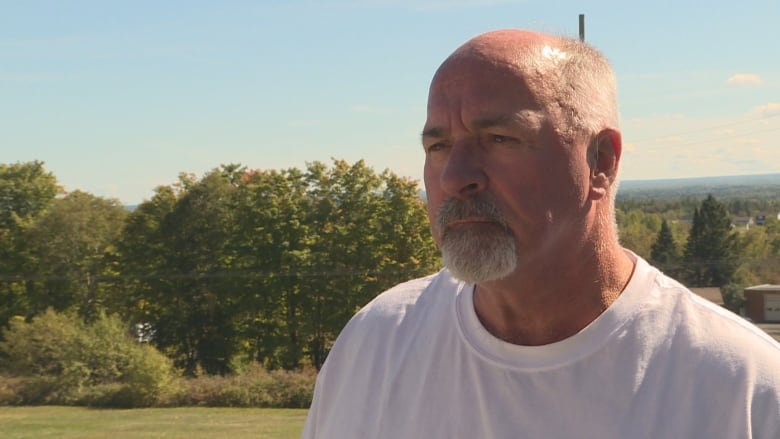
<point x="117" y="97"/>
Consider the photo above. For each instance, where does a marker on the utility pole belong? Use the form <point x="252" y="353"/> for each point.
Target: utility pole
<point x="582" y="27"/>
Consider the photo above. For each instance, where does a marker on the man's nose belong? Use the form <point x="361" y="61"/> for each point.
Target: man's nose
<point x="463" y="175"/>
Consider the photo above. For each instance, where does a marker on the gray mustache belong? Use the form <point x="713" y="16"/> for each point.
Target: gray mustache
<point x="453" y="209"/>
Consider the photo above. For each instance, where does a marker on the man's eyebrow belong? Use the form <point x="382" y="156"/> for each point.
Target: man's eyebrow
<point x="492" y="121"/>
<point x="432" y="132"/>
<point x="519" y="118"/>
<point x="485" y="122"/>
<point x="511" y="119"/>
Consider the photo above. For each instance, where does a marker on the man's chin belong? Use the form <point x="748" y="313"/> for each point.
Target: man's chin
<point x="479" y="253"/>
<point x="466" y="278"/>
<point x="476" y="270"/>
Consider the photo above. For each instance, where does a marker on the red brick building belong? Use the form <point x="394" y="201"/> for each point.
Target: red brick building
<point x="762" y="303"/>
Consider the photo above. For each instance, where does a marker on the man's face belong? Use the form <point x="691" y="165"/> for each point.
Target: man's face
<point x="498" y="175"/>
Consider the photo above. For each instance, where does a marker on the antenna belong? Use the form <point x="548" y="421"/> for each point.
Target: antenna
<point x="582" y="27"/>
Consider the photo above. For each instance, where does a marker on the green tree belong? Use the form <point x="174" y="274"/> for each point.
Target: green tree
<point x="710" y="258"/>
<point x="196" y="324"/>
<point x="26" y="191"/>
<point x="143" y="255"/>
<point x="252" y="265"/>
<point x="72" y="254"/>
<point x="371" y="233"/>
<point x="327" y="240"/>
<point x="733" y="296"/>
<point x="665" y="254"/>
<point x="758" y="255"/>
<point x="637" y="229"/>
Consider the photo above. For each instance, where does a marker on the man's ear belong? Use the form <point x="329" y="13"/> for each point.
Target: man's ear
<point x="603" y="158"/>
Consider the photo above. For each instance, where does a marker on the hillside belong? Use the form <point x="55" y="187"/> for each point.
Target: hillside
<point x="766" y="186"/>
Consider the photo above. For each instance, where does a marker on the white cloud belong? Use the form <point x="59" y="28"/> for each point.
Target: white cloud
<point x="767" y="110"/>
<point x="744" y="78"/>
<point x="660" y="146"/>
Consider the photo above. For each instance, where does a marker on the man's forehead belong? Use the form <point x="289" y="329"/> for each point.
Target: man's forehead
<point x="529" y="66"/>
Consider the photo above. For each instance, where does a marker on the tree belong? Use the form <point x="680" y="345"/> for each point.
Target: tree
<point x="371" y="233"/>
<point x="253" y="265"/>
<point x="637" y="229"/>
<point x="710" y="258"/>
<point x="26" y="191"/>
<point x="72" y="253"/>
<point x="664" y="253"/>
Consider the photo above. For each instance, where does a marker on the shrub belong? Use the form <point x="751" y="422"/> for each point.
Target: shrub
<point x="64" y="361"/>
<point x="10" y="388"/>
<point x="254" y="387"/>
<point x="57" y="359"/>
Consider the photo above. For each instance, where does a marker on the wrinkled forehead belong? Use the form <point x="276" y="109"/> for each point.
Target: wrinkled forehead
<point x="478" y="81"/>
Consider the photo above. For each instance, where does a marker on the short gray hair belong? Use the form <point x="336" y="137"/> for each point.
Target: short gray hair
<point x="585" y="90"/>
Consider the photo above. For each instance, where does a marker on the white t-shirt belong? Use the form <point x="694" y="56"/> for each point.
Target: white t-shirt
<point x="660" y="362"/>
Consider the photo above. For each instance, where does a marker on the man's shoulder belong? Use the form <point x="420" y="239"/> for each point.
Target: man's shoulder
<point x="391" y="320"/>
<point x="712" y="329"/>
<point x="397" y="301"/>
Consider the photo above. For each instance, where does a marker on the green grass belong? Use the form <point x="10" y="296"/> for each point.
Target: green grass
<point x="190" y="423"/>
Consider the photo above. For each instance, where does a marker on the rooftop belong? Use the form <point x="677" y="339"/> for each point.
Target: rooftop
<point x="765" y="287"/>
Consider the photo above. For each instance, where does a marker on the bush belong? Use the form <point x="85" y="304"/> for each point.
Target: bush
<point x="57" y="359"/>
<point x="10" y="390"/>
<point x="254" y="387"/>
<point x="64" y="361"/>
<point x="733" y="297"/>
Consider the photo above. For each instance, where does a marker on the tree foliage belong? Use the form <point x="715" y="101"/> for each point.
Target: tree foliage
<point x="27" y="190"/>
<point x="251" y="265"/>
<point x="710" y="257"/>
<point x="637" y="230"/>
<point x="665" y="253"/>
<point x="243" y="266"/>
<point x="70" y="248"/>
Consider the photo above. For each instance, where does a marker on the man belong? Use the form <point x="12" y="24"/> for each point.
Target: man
<point x="541" y="324"/>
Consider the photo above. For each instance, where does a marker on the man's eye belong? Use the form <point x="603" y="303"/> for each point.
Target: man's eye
<point x="499" y="138"/>
<point x="436" y="147"/>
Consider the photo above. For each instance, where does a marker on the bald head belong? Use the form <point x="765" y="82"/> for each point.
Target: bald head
<point x="571" y="79"/>
<point x="511" y="46"/>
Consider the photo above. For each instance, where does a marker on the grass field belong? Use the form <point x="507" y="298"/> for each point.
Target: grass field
<point x="190" y="423"/>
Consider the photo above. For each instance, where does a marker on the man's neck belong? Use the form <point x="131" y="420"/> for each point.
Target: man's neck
<point x="538" y="308"/>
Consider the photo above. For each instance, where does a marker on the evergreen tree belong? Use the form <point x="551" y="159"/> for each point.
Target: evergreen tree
<point x="710" y="258"/>
<point x="665" y="254"/>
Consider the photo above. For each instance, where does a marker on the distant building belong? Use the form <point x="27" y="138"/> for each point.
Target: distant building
<point x="742" y="222"/>
<point x="710" y="293"/>
<point x="762" y="217"/>
<point x="762" y="303"/>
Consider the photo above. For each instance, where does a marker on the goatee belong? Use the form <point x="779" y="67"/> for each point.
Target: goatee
<point x="475" y="252"/>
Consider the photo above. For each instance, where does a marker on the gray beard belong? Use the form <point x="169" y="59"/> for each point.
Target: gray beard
<point x="476" y="253"/>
